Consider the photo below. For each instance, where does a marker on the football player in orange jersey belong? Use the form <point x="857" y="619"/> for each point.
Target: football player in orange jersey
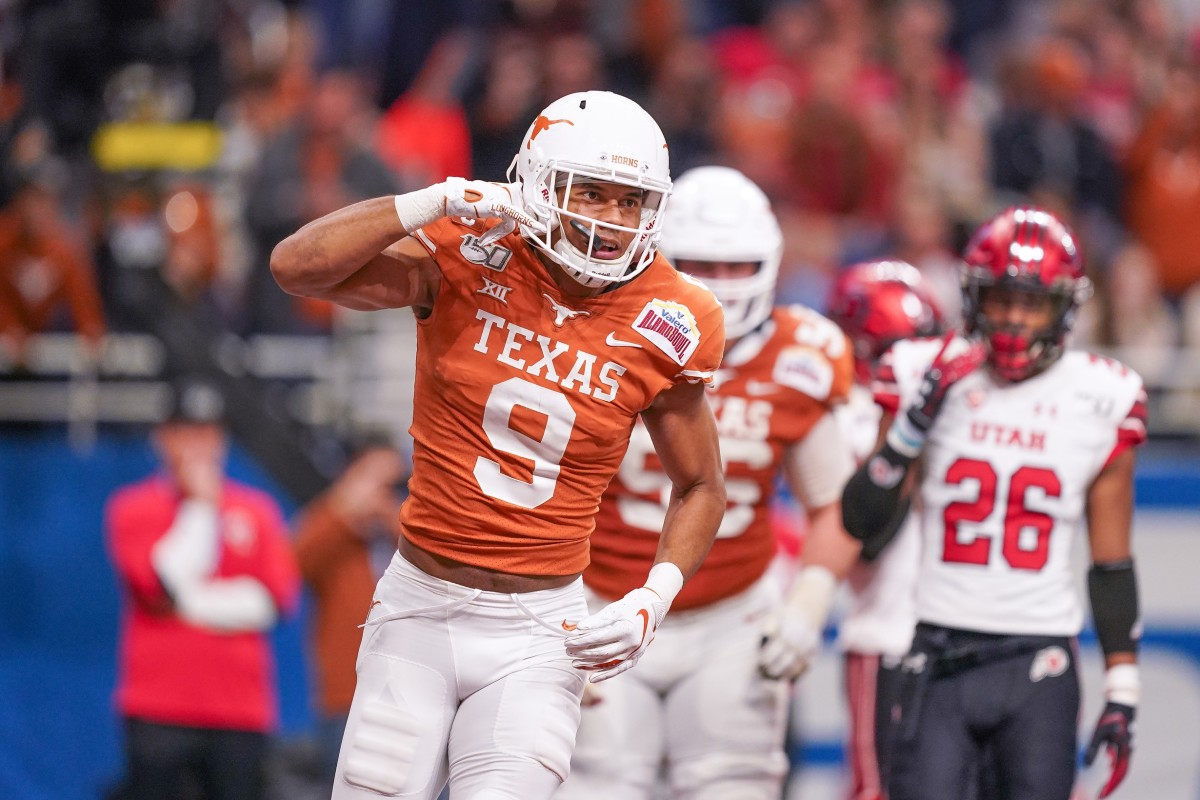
<point x="546" y="324"/>
<point x="708" y="702"/>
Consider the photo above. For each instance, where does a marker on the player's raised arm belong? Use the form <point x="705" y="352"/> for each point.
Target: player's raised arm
<point x="362" y="256"/>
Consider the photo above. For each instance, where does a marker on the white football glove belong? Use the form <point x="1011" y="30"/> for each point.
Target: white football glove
<point x="792" y="637"/>
<point x="613" y="639"/>
<point x="483" y="200"/>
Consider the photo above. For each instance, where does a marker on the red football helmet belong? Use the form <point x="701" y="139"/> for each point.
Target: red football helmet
<point x="877" y="303"/>
<point x="1030" y="250"/>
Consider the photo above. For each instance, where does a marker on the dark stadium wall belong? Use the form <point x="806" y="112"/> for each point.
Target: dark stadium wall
<point x="59" y="737"/>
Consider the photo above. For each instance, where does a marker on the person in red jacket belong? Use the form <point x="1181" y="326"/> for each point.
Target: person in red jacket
<point x="206" y="569"/>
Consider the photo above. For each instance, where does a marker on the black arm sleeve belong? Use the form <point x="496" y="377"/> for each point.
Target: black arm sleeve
<point x="874" y="545"/>
<point x="1112" y="588"/>
<point x="873" y="505"/>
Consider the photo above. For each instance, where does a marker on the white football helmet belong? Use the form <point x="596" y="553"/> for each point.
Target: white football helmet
<point x="594" y="136"/>
<point x="718" y="214"/>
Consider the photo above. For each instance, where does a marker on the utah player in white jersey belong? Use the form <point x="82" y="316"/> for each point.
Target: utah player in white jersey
<point x="1020" y="446"/>
<point x="707" y="706"/>
<point x="877" y="304"/>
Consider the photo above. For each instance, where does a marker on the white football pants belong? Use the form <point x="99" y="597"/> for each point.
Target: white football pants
<point x="697" y="703"/>
<point x="460" y="683"/>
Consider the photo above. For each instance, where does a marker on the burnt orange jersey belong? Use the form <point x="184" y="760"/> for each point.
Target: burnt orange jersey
<point x="773" y="387"/>
<point x="525" y="398"/>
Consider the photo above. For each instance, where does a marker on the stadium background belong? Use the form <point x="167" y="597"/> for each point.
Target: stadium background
<point x="171" y="144"/>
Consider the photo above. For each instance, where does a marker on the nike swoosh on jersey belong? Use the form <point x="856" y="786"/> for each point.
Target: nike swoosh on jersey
<point x="613" y="341"/>
<point x="759" y="388"/>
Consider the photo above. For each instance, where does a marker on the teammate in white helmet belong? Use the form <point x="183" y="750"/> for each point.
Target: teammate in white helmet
<point x="536" y="352"/>
<point x="1021" y="446"/>
<point x="707" y="706"/>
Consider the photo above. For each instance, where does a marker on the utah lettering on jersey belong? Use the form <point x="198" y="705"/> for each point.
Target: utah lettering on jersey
<point x="1008" y="436"/>
<point x="539" y="355"/>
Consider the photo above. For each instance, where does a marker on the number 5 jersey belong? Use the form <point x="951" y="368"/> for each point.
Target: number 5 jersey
<point x="1007" y="469"/>
<point x="776" y="383"/>
<point x="525" y="397"/>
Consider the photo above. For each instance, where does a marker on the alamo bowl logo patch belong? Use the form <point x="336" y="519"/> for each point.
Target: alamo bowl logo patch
<point x="805" y="370"/>
<point x="670" y="327"/>
<point x="1050" y="662"/>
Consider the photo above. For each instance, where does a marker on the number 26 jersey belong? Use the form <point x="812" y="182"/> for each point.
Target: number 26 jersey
<point x="1003" y="494"/>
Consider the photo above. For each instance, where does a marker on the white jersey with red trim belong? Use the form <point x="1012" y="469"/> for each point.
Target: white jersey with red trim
<point x="1007" y="469"/>
<point x="881" y="607"/>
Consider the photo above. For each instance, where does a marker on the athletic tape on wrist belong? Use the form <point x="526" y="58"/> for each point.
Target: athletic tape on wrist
<point x="1123" y="684"/>
<point x="812" y="594"/>
<point x="424" y="206"/>
<point x="665" y="580"/>
<point x="904" y="437"/>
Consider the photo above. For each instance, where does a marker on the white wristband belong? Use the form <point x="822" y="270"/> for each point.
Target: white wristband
<point x="665" y="580"/>
<point x="1123" y="684"/>
<point x="418" y="209"/>
<point x="812" y="594"/>
<point x="904" y="437"/>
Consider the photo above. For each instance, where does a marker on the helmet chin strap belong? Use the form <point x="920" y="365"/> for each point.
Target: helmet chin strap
<point x="565" y="249"/>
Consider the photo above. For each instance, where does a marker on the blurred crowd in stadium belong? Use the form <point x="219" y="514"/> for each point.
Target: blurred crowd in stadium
<point x="155" y="152"/>
<point x="875" y="127"/>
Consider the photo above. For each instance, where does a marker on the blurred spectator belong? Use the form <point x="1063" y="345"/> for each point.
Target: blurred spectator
<point x="190" y="266"/>
<point x="922" y="237"/>
<point x="44" y="274"/>
<point x="940" y="131"/>
<point x="160" y="232"/>
<point x="573" y="63"/>
<point x="206" y="569"/>
<point x="423" y="136"/>
<point x="684" y="104"/>
<point x="1132" y="316"/>
<point x="763" y="71"/>
<point x="343" y="541"/>
<point x="1042" y="143"/>
<point x="510" y="97"/>
<point x="1162" y="201"/>
<point x="320" y="162"/>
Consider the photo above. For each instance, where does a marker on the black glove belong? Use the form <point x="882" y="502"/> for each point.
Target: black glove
<point x="1114" y="731"/>
<point x="951" y="365"/>
<point x="958" y="358"/>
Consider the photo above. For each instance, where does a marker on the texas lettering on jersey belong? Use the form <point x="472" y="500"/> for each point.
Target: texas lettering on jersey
<point x="525" y="398"/>
<point x="775" y="384"/>
<point x="1006" y="476"/>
